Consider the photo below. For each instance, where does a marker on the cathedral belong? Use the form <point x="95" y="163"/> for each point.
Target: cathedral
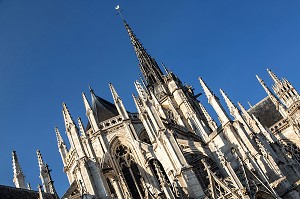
<point x="172" y="148"/>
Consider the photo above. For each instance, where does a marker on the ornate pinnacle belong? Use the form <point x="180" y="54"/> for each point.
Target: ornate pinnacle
<point x="273" y="76"/>
<point x="19" y="178"/>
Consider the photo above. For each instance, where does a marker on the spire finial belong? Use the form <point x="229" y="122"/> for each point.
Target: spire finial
<point x="28" y="186"/>
<point x="67" y="116"/>
<point x="40" y="159"/>
<point x="90" y="89"/>
<point x="250" y="105"/>
<point x="114" y="92"/>
<point x="215" y="103"/>
<point x="58" y="137"/>
<point x="232" y="108"/>
<point x="118" y="8"/>
<point x="81" y="128"/>
<point x="165" y="68"/>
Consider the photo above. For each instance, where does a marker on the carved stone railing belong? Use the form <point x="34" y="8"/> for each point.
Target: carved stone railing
<point x="279" y="126"/>
<point x="111" y="122"/>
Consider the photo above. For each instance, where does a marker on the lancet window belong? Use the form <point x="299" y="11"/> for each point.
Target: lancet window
<point x="130" y="171"/>
<point x="194" y="159"/>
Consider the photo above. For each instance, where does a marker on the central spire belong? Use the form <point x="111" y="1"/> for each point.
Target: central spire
<point x="148" y="66"/>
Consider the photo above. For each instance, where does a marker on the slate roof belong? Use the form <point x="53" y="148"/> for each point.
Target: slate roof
<point x="7" y="192"/>
<point x="265" y="111"/>
<point x="102" y="109"/>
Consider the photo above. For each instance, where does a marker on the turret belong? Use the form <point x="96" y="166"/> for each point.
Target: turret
<point x="215" y="103"/>
<point x="275" y="101"/>
<point x="62" y="148"/>
<point x="118" y="102"/>
<point x="284" y="90"/>
<point x="19" y="177"/>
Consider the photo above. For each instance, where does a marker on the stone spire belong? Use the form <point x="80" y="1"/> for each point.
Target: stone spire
<point x="232" y="108"/>
<point x="81" y="128"/>
<point x="92" y="120"/>
<point x="61" y="146"/>
<point x="148" y="66"/>
<point x="118" y="102"/>
<point x="212" y="124"/>
<point x="67" y="116"/>
<point x="43" y="172"/>
<point x="19" y="177"/>
<point x="73" y="134"/>
<point x="275" y="101"/>
<point x="215" y="103"/>
<point x="274" y="77"/>
<point x="90" y="113"/>
<point x="284" y="90"/>
<point x="69" y="123"/>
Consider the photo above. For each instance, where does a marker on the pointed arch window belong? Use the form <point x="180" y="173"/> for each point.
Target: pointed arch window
<point x="130" y="171"/>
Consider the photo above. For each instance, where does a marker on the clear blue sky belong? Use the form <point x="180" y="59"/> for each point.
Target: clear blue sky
<point x="50" y="51"/>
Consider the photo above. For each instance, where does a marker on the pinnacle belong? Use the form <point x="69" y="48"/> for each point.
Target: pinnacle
<point x="273" y="76"/>
<point x="206" y="89"/>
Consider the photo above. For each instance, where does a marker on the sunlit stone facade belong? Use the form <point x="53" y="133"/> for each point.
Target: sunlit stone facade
<point x="172" y="148"/>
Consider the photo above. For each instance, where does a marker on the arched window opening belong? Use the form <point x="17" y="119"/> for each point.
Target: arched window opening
<point x="130" y="171"/>
<point x="194" y="159"/>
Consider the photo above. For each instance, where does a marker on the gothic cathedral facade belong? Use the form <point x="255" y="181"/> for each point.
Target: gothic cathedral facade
<point x="172" y="147"/>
